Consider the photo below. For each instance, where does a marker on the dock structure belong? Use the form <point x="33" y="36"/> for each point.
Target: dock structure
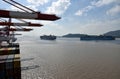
<point x="10" y="64"/>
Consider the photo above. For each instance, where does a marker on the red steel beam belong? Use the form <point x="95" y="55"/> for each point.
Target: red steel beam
<point x="17" y="29"/>
<point x="24" y="15"/>
<point x="23" y="29"/>
<point x="20" y="24"/>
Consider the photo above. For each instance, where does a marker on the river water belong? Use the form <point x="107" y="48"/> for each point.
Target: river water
<point x="70" y="58"/>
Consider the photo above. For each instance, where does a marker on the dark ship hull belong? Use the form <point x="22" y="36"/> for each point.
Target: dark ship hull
<point x="97" y="38"/>
<point x="48" y="37"/>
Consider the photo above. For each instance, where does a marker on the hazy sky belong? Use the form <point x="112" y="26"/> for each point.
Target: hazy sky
<point x="77" y="16"/>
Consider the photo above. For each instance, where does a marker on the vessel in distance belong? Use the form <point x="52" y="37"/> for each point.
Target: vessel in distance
<point x="94" y="37"/>
<point x="48" y="37"/>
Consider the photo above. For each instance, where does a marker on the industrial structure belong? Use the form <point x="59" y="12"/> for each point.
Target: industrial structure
<point x="10" y="66"/>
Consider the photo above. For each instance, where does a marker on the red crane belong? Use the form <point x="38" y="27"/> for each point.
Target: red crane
<point x="26" y="13"/>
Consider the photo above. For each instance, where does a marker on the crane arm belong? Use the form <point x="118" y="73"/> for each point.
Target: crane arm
<point x="24" y="15"/>
<point x="20" y="24"/>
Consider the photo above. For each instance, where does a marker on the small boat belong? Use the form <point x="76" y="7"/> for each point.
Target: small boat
<point x="48" y="37"/>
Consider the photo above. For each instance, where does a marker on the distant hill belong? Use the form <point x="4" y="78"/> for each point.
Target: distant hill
<point x="74" y="35"/>
<point x="113" y="33"/>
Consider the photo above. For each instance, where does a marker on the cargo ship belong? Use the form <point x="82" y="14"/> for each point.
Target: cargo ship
<point x="48" y="37"/>
<point x="93" y="37"/>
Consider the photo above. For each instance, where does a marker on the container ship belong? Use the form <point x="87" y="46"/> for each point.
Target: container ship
<point x="93" y="37"/>
<point x="48" y="37"/>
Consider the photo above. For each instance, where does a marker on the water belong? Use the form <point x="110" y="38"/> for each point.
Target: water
<point x="70" y="58"/>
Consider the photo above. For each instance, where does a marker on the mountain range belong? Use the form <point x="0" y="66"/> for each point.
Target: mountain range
<point x="115" y="33"/>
